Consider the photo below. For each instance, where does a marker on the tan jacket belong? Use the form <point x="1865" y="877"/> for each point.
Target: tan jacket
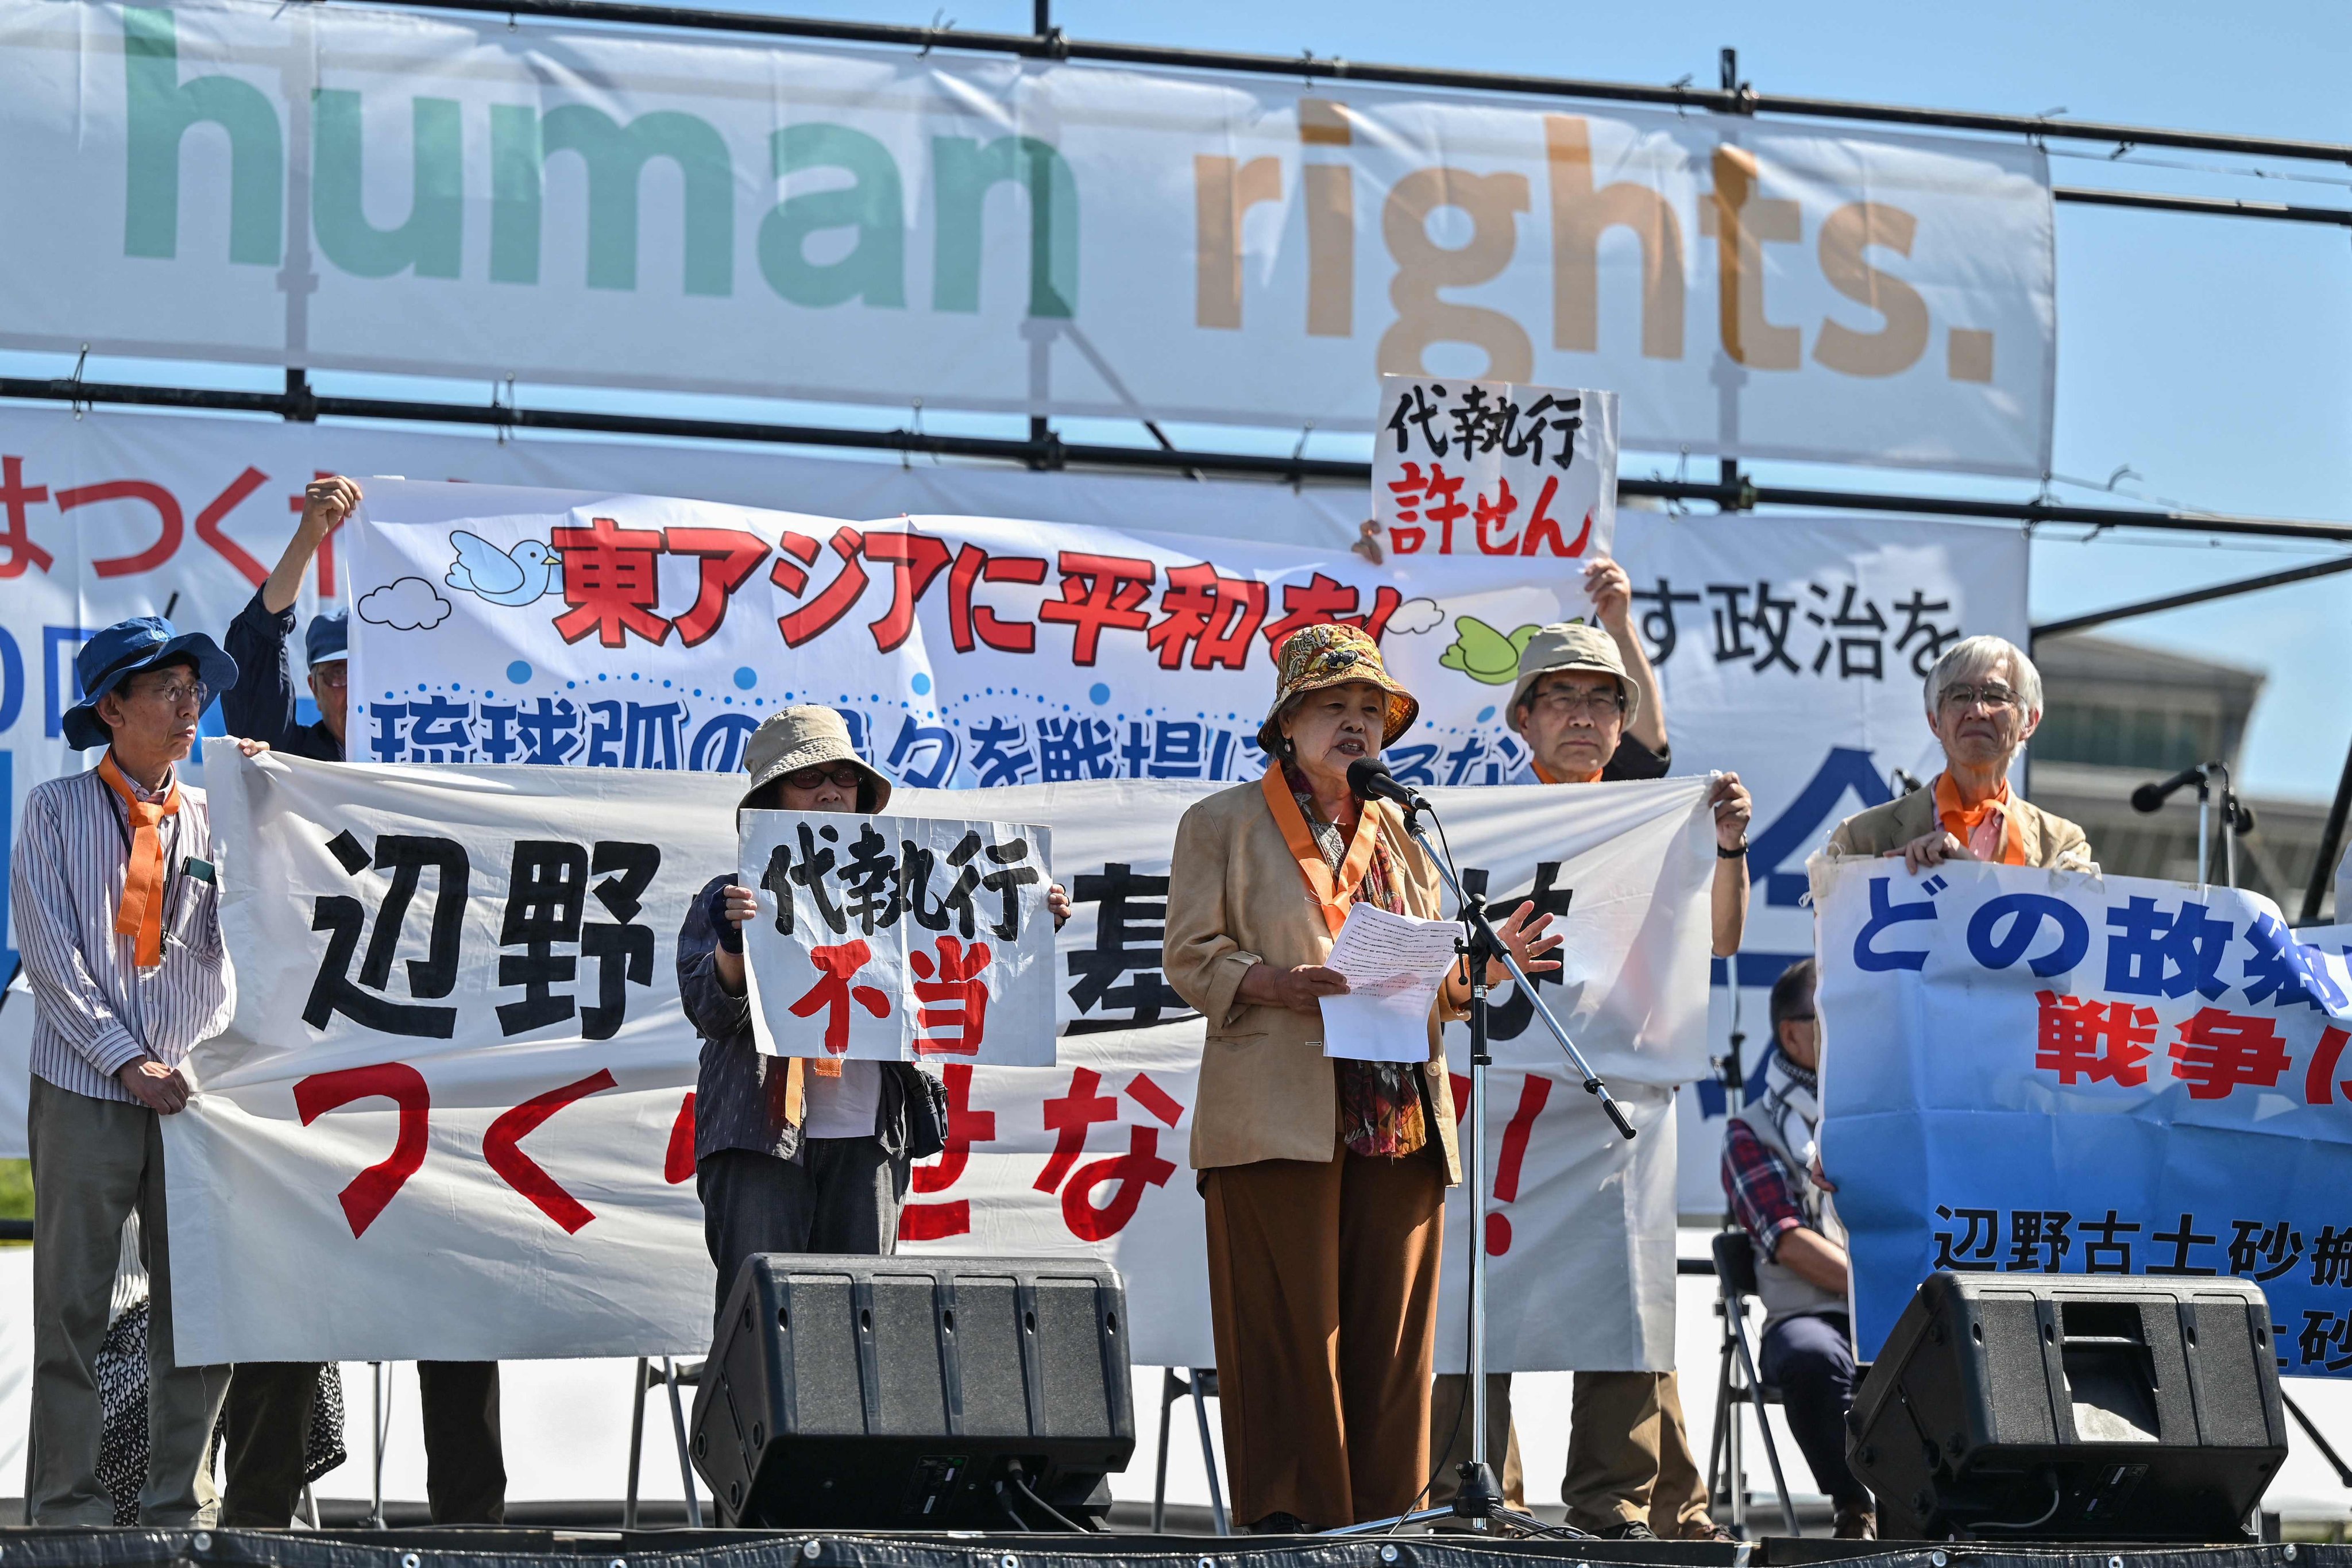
<point x="1235" y="898"/>
<point x="2047" y="841"/>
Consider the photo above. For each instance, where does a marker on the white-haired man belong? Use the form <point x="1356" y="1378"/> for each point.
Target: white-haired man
<point x="1984" y="701"/>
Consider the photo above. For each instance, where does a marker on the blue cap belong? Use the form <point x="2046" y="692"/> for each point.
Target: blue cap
<point x="123" y="650"/>
<point x="329" y="638"/>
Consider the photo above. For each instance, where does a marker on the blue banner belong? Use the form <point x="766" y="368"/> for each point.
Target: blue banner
<point x="2028" y="1071"/>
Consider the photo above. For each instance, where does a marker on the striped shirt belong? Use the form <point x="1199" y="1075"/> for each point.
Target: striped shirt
<point x="94" y="1009"/>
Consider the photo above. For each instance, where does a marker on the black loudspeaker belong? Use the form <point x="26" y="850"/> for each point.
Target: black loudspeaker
<point x="2009" y="1407"/>
<point x="877" y="1393"/>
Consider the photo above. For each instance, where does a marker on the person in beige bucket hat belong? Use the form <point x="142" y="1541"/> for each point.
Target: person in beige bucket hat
<point x="1587" y="704"/>
<point x="792" y="1154"/>
<point x="1323" y="1178"/>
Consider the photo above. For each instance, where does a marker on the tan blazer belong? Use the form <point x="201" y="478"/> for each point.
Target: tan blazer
<point x="2047" y="841"/>
<point x="1235" y="898"/>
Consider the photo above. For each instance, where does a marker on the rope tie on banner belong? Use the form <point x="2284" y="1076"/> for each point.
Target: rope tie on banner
<point x="75" y="404"/>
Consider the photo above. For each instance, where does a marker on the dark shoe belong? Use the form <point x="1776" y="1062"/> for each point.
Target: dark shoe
<point x="1708" y="1530"/>
<point x="1282" y="1524"/>
<point x="1856" y="1524"/>
<point x="1627" y="1530"/>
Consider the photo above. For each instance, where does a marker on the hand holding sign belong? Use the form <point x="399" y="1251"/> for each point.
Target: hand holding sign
<point x="897" y="938"/>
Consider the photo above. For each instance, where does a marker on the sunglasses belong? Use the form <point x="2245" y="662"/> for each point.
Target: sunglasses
<point x="847" y="775"/>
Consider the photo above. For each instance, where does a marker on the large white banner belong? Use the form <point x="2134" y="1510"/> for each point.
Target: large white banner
<point x="480" y="197"/>
<point x="596" y="630"/>
<point x="452" y="1115"/>
<point x="1786" y="646"/>
<point x="1796" y="660"/>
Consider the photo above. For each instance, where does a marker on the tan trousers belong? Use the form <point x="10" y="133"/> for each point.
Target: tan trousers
<point x="1449" y="1425"/>
<point x="1629" y="1453"/>
<point x="1323" y="1298"/>
<point x="95" y="1161"/>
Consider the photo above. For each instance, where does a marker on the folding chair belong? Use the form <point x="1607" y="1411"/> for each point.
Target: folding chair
<point x="673" y="1377"/>
<point x="1202" y="1387"/>
<point x="1735" y="1384"/>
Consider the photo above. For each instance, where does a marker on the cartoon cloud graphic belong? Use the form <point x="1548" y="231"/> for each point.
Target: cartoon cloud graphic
<point x="405" y="604"/>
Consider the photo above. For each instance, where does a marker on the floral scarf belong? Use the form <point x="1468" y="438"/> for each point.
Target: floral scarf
<point x="1379" y="1102"/>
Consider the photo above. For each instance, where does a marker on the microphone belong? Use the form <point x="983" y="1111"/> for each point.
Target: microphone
<point x="1369" y="779"/>
<point x="2152" y="797"/>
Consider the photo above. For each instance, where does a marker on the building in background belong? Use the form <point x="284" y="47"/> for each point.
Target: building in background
<point x="2118" y="715"/>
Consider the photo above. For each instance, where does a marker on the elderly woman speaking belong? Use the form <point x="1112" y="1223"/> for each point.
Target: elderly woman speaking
<point x="1984" y="700"/>
<point x="1325" y="1179"/>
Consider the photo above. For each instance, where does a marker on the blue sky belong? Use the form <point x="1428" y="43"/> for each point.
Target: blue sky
<point x="2212" y="358"/>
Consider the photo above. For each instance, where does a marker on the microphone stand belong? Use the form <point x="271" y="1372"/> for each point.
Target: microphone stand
<point x="1478" y="1499"/>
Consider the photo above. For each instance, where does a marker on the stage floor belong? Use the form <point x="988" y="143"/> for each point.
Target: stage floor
<point x="520" y="1547"/>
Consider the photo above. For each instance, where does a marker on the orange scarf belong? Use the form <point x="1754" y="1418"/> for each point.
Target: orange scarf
<point x="1334" y="897"/>
<point x="141" y="913"/>
<point x="1545" y="773"/>
<point x="1962" y="821"/>
<point x="788" y="1091"/>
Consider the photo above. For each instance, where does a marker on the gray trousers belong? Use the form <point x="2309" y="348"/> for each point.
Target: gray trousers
<point x="843" y="1195"/>
<point x="95" y="1161"/>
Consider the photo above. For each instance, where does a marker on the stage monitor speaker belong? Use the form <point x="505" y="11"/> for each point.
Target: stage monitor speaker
<point x="2012" y="1406"/>
<point x="877" y="1392"/>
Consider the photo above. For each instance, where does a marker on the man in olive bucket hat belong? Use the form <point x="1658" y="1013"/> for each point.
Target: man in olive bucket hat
<point x="794" y="1155"/>
<point x="1630" y="1474"/>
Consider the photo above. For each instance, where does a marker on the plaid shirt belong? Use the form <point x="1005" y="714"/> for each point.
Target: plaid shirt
<point x="1761" y="1187"/>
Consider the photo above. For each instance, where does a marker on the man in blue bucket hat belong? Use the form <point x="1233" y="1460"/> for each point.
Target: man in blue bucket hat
<point x="117" y="914"/>
<point x="271" y="1405"/>
<point x="261" y="705"/>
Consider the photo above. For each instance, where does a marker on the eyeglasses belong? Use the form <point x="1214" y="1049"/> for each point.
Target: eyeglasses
<point x="847" y="775"/>
<point x="335" y="677"/>
<point x="1562" y="701"/>
<point x="1992" y="694"/>
<point x="172" y="693"/>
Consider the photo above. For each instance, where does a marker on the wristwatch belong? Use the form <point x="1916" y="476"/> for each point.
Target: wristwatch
<point x="1740" y="853"/>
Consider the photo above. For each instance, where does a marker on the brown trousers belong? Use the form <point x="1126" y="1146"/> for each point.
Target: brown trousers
<point x="1629" y="1454"/>
<point x="1323" y="1297"/>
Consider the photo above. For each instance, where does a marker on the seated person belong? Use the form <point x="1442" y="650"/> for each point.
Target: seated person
<point x="1984" y="700"/>
<point x="1801" y="1262"/>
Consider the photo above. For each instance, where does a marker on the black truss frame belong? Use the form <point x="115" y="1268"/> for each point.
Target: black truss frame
<point x="1045" y="449"/>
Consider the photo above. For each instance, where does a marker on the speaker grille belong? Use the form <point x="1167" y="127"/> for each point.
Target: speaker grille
<point x="910" y="1378"/>
<point x="1068" y="1338"/>
<point x="827" y="1391"/>
<point x="2230" y="1387"/>
<point x="987" y="1342"/>
<point x="2013" y="1371"/>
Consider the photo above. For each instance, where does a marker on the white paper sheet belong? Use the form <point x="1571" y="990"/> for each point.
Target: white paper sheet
<point x="1394" y="964"/>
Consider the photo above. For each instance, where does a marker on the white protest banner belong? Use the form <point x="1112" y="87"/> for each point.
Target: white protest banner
<point x="614" y="630"/>
<point x="483" y="1146"/>
<point x="889" y="226"/>
<point x="1767" y="666"/>
<point x="451" y="1116"/>
<point x="851" y="925"/>
<point x="1447" y="453"/>
<point x="1799" y="661"/>
<point x="2041" y="1072"/>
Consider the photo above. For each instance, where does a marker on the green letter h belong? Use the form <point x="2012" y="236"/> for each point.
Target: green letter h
<point x="161" y="108"/>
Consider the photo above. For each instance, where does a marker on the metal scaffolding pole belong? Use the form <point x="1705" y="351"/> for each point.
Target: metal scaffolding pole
<point x="1046" y="449"/>
<point x="1052" y="44"/>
